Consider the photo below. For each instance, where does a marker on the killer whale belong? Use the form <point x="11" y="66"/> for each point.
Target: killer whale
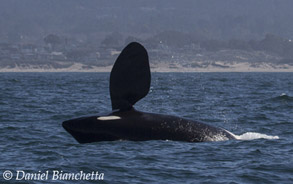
<point x="130" y="81"/>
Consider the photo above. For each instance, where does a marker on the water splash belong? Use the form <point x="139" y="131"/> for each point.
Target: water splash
<point x="218" y="137"/>
<point x="254" y="135"/>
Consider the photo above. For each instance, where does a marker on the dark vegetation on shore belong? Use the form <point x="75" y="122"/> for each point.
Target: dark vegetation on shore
<point x="168" y="47"/>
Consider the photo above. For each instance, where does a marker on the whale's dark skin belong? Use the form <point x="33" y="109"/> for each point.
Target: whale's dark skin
<point x="129" y="82"/>
<point x="141" y="126"/>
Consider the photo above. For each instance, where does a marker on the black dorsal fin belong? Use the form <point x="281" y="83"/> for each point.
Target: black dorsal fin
<point x="130" y="77"/>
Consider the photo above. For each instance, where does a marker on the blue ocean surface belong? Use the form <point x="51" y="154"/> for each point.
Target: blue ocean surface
<point x="256" y="106"/>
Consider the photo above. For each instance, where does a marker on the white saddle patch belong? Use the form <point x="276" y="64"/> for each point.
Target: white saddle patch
<point x="108" y="118"/>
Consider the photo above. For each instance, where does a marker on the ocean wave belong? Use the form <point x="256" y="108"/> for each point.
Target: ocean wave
<point x="283" y="97"/>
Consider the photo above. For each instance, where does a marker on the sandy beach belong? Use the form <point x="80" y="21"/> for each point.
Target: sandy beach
<point x="162" y="67"/>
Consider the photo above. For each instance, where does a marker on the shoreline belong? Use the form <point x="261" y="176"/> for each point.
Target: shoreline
<point x="161" y="68"/>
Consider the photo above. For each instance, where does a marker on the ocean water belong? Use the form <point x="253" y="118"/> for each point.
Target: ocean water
<point x="258" y="107"/>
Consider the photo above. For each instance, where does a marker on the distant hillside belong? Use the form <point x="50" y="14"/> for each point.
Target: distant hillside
<point x="30" y="20"/>
<point x="86" y="34"/>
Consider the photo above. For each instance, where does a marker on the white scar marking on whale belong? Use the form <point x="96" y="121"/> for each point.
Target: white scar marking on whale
<point x="108" y="118"/>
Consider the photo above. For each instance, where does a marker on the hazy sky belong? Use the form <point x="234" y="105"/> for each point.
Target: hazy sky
<point x="221" y="19"/>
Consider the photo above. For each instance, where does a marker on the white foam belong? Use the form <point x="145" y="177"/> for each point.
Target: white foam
<point x="108" y="118"/>
<point x="254" y="135"/>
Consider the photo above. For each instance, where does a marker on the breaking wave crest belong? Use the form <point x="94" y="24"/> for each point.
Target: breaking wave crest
<point x="283" y="97"/>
